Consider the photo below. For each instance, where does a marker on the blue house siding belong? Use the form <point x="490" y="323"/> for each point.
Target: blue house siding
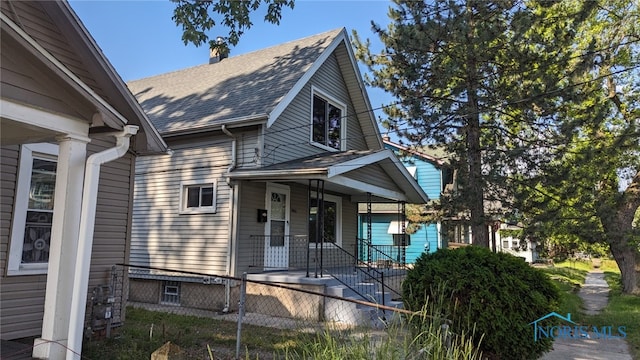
<point x="425" y="239"/>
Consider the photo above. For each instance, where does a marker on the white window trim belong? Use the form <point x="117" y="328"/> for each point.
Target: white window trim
<point x="338" y="201"/>
<point x="183" y="209"/>
<point x="23" y="184"/>
<point x="178" y="294"/>
<point x="343" y="123"/>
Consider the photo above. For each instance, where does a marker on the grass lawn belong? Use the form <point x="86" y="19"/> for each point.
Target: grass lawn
<point x="145" y="331"/>
<point x="569" y="279"/>
<point x="622" y="310"/>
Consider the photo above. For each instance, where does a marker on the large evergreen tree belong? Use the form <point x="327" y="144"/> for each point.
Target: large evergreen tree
<point x="535" y="98"/>
<point x="475" y="76"/>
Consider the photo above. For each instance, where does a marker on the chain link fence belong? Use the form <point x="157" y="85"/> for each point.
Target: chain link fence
<point x="279" y="307"/>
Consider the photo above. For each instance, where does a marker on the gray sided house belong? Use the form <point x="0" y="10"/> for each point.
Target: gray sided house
<point x="70" y="133"/>
<point x="271" y="153"/>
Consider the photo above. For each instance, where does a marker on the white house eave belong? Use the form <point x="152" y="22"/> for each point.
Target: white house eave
<point x="58" y="68"/>
<point x="363" y="91"/>
<point x="282" y="105"/>
<point x="409" y="180"/>
<point x="354" y="164"/>
<point x="56" y="123"/>
<point x="369" y="188"/>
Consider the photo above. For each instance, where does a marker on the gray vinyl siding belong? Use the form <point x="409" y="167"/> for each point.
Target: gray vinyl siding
<point x="289" y="136"/>
<point x="22" y="297"/>
<point x="371" y="174"/>
<point x="252" y="197"/>
<point x="36" y="22"/>
<point x="161" y="236"/>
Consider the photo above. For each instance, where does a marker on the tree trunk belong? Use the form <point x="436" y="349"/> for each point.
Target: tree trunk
<point x="626" y="257"/>
<point x="475" y="186"/>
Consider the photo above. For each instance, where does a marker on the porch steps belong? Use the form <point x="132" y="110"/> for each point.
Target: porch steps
<point x="350" y="313"/>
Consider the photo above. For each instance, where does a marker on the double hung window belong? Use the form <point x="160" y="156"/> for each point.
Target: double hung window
<point x="33" y="215"/>
<point x="328" y="122"/>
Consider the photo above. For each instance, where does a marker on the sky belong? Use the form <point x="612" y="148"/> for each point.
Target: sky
<point x="140" y="39"/>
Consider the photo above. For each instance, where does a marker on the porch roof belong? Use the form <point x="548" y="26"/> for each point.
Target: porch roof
<point x="353" y="172"/>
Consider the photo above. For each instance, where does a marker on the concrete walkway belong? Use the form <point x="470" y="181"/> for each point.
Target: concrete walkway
<point x="594" y="294"/>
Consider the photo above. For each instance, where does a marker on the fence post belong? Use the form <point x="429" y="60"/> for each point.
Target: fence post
<point x="243" y="295"/>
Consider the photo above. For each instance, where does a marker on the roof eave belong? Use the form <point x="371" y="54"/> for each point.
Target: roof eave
<point x="155" y="143"/>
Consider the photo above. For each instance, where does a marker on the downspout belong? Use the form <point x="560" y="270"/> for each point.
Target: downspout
<point x="233" y="153"/>
<point x="85" y="243"/>
<point x="232" y="233"/>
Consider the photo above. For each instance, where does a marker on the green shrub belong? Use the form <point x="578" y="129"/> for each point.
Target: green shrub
<point x="497" y="293"/>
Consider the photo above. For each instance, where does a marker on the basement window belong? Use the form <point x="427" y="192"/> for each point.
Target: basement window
<point x="170" y="292"/>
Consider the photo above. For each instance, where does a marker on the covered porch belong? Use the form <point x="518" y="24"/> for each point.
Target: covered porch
<point x="308" y="224"/>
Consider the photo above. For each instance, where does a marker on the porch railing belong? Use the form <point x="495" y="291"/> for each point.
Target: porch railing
<point x="294" y="254"/>
<point x="298" y="254"/>
<point x="381" y="256"/>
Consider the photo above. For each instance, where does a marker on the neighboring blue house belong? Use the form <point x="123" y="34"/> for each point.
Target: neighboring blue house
<point x="433" y="175"/>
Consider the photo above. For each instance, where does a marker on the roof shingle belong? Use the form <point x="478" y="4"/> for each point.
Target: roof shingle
<point x="239" y="87"/>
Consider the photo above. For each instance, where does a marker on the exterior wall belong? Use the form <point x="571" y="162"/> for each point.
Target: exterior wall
<point x="162" y="236"/>
<point x="511" y="245"/>
<point x="192" y="295"/>
<point x="22" y="297"/>
<point x="423" y="240"/>
<point x="280" y="302"/>
<point x="252" y="197"/>
<point x="22" y="81"/>
<point x="426" y="238"/>
<point x="289" y="137"/>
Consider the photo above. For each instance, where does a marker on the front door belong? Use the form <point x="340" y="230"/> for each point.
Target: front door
<point x="276" y="255"/>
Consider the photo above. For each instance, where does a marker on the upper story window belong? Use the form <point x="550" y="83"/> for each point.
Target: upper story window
<point x="328" y="122"/>
<point x="197" y="197"/>
<point x="33" y="215"/>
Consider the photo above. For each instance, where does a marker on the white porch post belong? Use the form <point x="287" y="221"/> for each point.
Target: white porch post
<point x="63" y="248"/>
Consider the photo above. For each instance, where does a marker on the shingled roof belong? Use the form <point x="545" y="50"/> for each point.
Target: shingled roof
<point x="238" y="88"/>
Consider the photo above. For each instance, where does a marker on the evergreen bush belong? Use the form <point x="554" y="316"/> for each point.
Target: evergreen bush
<point x="497" y="293"/>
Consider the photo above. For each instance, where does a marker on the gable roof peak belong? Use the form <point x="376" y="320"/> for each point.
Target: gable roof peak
<point x="242" y="88"/>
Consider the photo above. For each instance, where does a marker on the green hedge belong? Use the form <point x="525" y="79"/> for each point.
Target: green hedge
<point x="497" y="293"/>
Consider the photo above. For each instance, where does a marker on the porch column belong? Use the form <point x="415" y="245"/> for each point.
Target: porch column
<point x="63" y="247"/>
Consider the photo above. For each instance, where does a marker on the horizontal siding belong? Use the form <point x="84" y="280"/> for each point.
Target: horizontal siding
<point x="22" y="297"/>
<point x="380" y="236"/>
<point x="428" y="177"/>
<point x="371" y="175"/>
<point x="252" y="197"/>
<point x="38" y="24"/>
<point x="23" y="80"/>
<point x="289" y="137"/>
<point x="9" y="170"/>
<point x="161" y="236"/>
